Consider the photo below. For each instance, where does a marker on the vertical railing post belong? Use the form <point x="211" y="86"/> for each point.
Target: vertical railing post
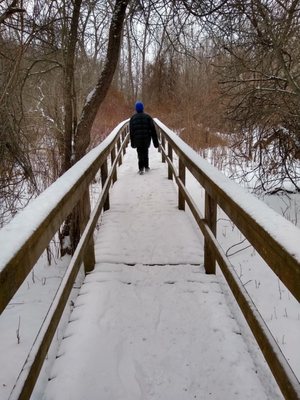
<point x="85" y="211"/>
<point x="113" y="157"/>
<point x="158" y="131"/>
<point x="211" y="219"/>
<point x="181" y="175"/>
<point x="128" y="136"/>
<point x="170" y="155"/>
<point x="124" y="131"/>
<point x="118" y="149"/>
<point x="104" y="174"/>
<point x="163" y="144"/>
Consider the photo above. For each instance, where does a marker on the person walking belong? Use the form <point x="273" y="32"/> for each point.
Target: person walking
<point x="142" y="130"/>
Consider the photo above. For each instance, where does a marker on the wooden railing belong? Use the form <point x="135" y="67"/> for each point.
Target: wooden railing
<point x="22" y="244"/>
<point x="264" y="229"/>
<point x="46" y="214"/>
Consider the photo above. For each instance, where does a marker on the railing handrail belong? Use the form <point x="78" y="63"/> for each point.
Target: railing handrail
<point x="219" y="190"/>
<point x="43" y="216"/>
<point x="259" y="223"/>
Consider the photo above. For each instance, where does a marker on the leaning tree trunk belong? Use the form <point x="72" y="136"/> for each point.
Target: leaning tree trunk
<point x="83" y="131"/>
<point x="91" y="107"/>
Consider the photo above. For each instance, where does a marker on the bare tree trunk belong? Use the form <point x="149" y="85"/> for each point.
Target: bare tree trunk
<point x="144" y="54"/>
<point x="69" y="87"/>
<point x="90" y="109"/>
<point x="130" y="74"/>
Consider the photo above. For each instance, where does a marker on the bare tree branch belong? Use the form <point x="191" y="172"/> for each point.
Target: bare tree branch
<point x="12" y="9"/>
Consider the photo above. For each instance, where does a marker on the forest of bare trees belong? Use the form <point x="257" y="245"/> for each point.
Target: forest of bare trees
<point x="217" y="72"/>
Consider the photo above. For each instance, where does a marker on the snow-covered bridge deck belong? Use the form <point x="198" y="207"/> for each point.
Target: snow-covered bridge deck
<point x="148" y="323"/>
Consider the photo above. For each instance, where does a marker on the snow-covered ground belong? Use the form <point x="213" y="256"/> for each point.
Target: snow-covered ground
<point x="162" y="296"/>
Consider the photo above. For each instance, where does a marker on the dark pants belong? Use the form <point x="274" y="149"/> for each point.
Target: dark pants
<point x="143" y="157"/>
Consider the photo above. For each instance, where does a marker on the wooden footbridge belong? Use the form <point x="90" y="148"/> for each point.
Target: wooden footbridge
<point x="118" y="301"/>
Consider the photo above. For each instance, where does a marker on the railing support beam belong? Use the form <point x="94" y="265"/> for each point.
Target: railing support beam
<point x="170" y="155"/>
<point x="113" y="157"/>
<point x="211" y="219"/>
<point x="89" y="259"/>
<point x="118" y="148"/>
<point x="123" y="135"/>
<point x="104" y="174"/>
<point x="181" y="175"/>
<point x="163" y="144"/>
